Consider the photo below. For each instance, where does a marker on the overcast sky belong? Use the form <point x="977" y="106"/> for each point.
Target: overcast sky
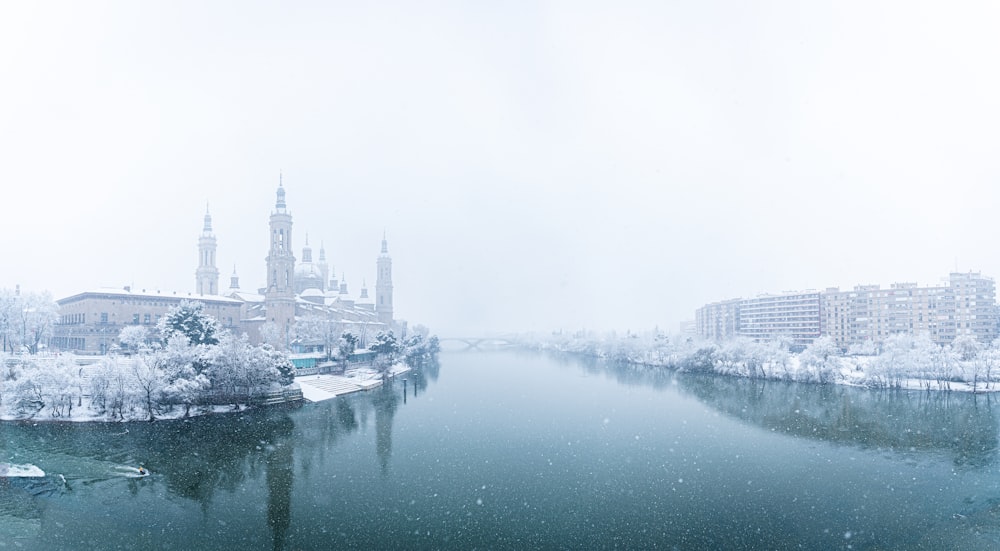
<point x="535" y="165"/>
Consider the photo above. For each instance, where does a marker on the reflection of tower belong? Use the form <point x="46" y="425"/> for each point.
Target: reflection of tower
<point x="279" y="296"/>
<point x="385" y="402"/>
<point x="207" y="275"/>
<point x="279" y="482"/>
<point x="383" y="285"/>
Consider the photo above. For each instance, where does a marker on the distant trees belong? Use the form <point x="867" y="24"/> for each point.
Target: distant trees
<point x="900" y="361"/>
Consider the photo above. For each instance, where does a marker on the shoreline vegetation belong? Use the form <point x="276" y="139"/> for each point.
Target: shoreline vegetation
<point x="188" y="367"/>
<point x="903" y="362"/>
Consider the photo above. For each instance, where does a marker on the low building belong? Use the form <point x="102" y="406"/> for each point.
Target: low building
<point x="89" y="322"/>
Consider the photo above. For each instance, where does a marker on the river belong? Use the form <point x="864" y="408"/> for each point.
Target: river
<point x="511" y="450"/>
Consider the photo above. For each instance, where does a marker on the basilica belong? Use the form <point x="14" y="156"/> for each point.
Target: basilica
<point x="298" y="295"/>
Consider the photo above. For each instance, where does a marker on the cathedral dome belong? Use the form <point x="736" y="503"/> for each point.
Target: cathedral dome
<point x="313" y="295"/>
<point x="308" y="276"/>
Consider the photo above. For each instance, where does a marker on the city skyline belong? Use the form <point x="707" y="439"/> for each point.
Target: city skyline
<point x="534" y="166"/>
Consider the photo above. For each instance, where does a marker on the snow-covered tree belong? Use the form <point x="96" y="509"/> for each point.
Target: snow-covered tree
<point x="820" y="361"/>
<point x="108" y="393"/>
<point x="150" y="380"/>
<point x="133" y="338"/>
<point x="315" y="329"/>
<point x="240" y="372"/>
<point x="386" y="349"/>
<point x="26" y="320"/>
<point x="61" y="382"/>
<point x="270" y="333"/>
<point x="417" y="349"/>
<point x="346" y="346"/>
<point x="189" y="319"/>
<point x="966" y="346"/>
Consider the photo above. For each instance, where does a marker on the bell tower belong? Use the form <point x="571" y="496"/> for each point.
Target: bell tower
<point x="207" y="274"/>
<point x="279" y="296"/>
<point x="383" y="285"/>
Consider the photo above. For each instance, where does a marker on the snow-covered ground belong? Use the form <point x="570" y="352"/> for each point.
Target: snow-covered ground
<point x="316" y="388"/>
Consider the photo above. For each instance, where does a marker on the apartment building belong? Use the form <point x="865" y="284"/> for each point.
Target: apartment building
<point x="963" y="304"/>
<point x="718" y="321"/>
<point x="793" y="316"/>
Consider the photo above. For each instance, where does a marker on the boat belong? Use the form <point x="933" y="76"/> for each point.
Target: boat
<point x="10" y="470"/>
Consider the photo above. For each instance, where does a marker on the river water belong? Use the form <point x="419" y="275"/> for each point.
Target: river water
<point x="525" y="451"/>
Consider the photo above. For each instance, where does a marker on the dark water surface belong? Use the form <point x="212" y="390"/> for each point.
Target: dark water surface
<point x="522" y="451"/>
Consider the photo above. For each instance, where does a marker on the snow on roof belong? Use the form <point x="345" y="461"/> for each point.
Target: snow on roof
<point x="126" y="292"/>
<point x="247" y="297"/>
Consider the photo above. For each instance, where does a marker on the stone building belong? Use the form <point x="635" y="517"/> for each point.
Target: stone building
<point x="89" y="322"/>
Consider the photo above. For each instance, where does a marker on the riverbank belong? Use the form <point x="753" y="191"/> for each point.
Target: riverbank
<point x="904" y="362"/>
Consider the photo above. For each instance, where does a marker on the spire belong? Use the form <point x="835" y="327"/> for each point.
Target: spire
<point x="234" y="280"/>
<point x="385" y="244"/>
<point x="280" y="204"/>
<point x="208" y="220"/>
<point x="322" y="252"/>
<point x="307" y="251"/>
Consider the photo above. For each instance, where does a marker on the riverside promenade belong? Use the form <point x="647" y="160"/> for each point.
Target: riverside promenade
<point x="316" y="388"/>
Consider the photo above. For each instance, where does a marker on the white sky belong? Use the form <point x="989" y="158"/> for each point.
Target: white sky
<point x="536" y="165"/>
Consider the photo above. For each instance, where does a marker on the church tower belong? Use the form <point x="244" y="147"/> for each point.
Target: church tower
<point x="207" y="275"/>
<point x="234" y="281"/>
<point x="383" y="285"/>
<point x="279" y="296"/>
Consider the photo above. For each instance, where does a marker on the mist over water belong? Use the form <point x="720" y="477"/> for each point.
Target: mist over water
<point x="516" y="450"/>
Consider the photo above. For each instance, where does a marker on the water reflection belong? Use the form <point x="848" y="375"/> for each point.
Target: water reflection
<point x="510" y="451"/>
<point x="962" y="426"/>
<point x="279" y="482"/>
<point x="385" y="401"/>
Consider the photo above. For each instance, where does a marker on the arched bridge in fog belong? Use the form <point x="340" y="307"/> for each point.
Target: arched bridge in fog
<point x="475" y="343"/>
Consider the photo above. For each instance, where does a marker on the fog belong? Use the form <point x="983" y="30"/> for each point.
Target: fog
<point x="534" y="165"/>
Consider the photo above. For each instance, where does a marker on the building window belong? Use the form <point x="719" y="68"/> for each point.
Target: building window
<point x="104" y="317"/>
<point x="135" y="319"/>
<point x="145" y="319"/>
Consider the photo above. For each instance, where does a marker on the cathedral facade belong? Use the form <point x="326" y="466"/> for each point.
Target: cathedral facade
<point x="302" y="302"/>
<point x="306" y="291"/>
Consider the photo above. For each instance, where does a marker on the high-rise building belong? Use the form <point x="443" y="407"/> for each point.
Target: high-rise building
<point x="791" y="316"/>
<point x="964" y="304"/>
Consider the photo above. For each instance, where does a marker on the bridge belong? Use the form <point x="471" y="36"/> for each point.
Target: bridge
<point x="475" y="343"/>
